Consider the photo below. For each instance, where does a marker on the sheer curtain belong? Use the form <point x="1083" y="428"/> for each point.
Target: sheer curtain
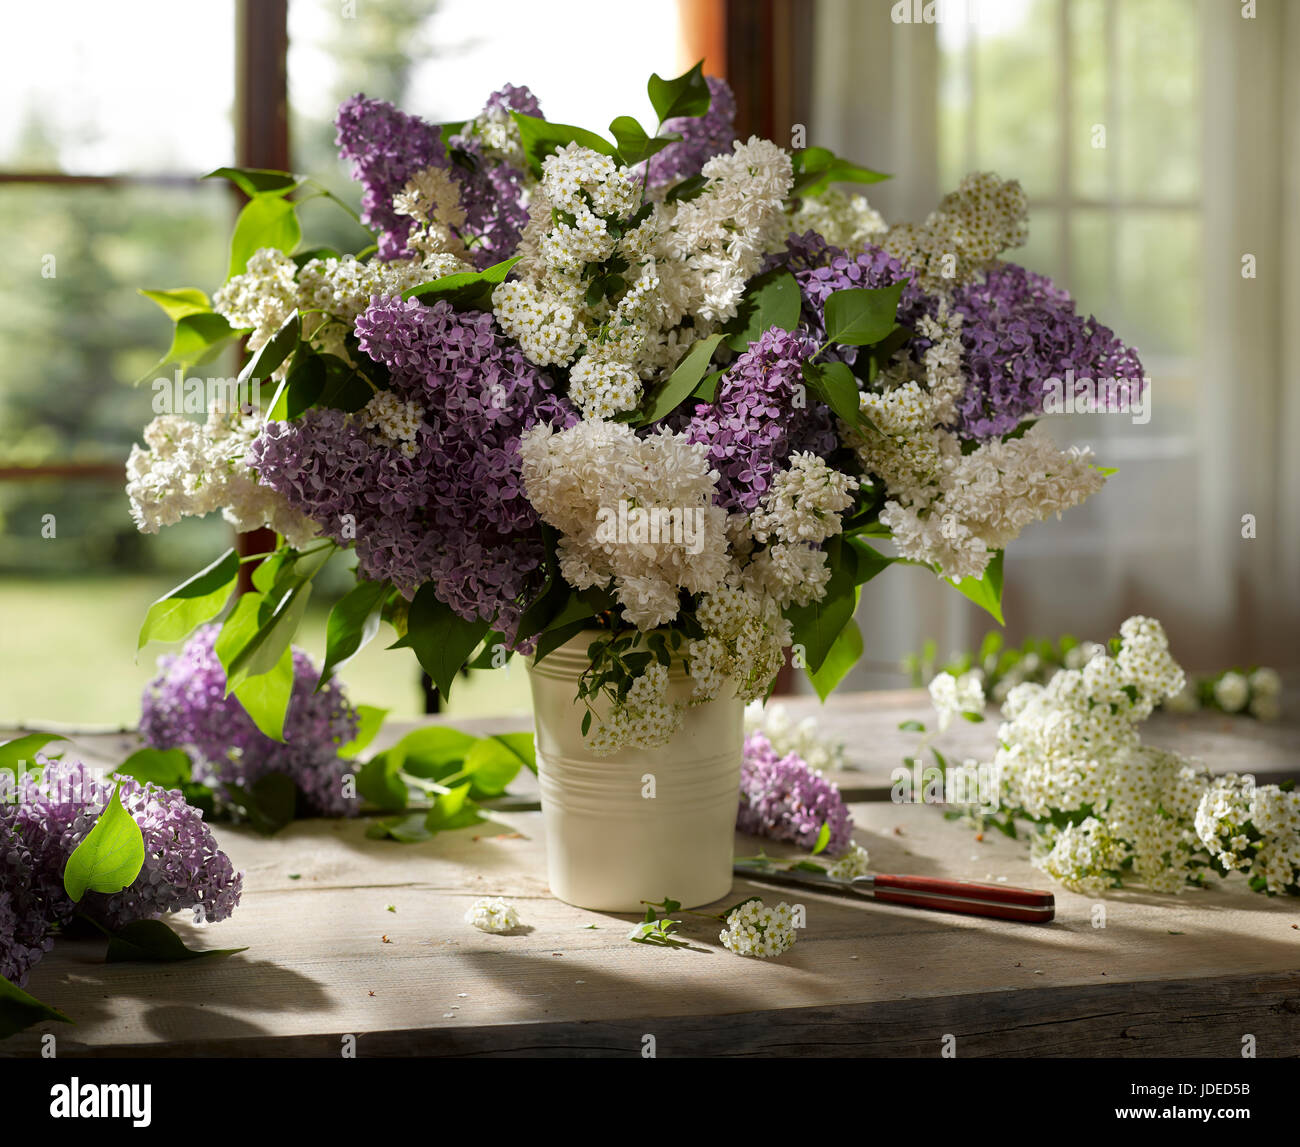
<point x="1165" y="537"/>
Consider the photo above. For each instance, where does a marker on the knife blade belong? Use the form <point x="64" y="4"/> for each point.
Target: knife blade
<point x="998" y="901"/>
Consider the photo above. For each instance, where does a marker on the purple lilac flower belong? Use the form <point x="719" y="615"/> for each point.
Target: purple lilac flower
<point x="26" y="916"/>
<point x="782" y="798"/>
<point x="703" y="137"/>
<point x="186" y="707"/>
<point x="455" y="514"/>
<point x="386" y="147"/>
<point x="1019" y="330"/>
<point x="820" y="268"/>
<point x="492" y="193"/>
<point x="756" y="422"/>
<point x="183" y="867"/>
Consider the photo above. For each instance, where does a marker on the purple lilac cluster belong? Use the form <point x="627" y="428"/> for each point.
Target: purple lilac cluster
<point x="1019" y="330"/>
<point x="783" y="799"/>
<point x="492" y="193"/>
<point x="455" y="514"/>
<point x="183" y="867"/>
<point x="820" y="268"/>
<point x="186" y="707"/>
<point x="386" y="147"/>
<point x="703" y="137"/>
<point x="758" y="418"/>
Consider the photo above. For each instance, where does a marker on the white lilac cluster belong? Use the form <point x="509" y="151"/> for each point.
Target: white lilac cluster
<point x="579" y="479"/>
<point x="431" y="199"/>
<point x="606" y="281"/>
<point x="265" y="294"/>
<point x="396" y="423"/>
<point x="956" y="696"/>
<point x="786" y="736"/>
<point x="853" y="863"/>
<point x="754" y="929"/>
<point x="964" y="234"/>
<point x="585" y="280"/>
<point x="745" y="636"/>
<point x="492" y="914"/>
<point x="1110" y="808"/>
<point x="846" y="221"/>
<point x="188" y="469"/>
<point x="646" y="719"/>
<point x="799" y="511"/>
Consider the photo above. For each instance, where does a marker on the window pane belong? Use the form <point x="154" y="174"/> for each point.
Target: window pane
<point x="1160" y="123"/>
<point x="1160" y="280"/>
<point x="1090" y="68"/>
<point x="144" y="87"/>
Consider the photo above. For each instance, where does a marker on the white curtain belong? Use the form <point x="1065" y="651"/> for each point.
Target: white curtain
<point x="1165" y="537"/>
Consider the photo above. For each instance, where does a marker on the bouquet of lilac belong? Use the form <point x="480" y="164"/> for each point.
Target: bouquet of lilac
<point x="673" y="387"/>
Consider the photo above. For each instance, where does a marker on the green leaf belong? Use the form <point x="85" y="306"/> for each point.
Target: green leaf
<point x="269" y="804"/>
<point x="834" y="384"/>
<point x="177" y="304"/>
<point x="859" y="316"/>
<point x="379" y="783"/>
<point x="541" y="138"/>
<point x="686" y="95"/>
<point x="177" y="614"/>
<point x="353" y="624"/>
<point x="682" y="381"/>
<point x="633" y="143"/>
<point x="152" y="942"/>
<point x="465" y="290"/>
<point x="816" y="625"/>
<point x="19" y="1011"/>
<point x="823" y="839"/>
<point x="276" y="349"/>
<point x="198" y="337"/>
<point x="452" y="810"/>
<point x="111" y="855"/>
<point x="523" y="745"/>
<point x="169" y="768"/>
<point x="869" y="560"/>
<point x="431" y="753"/>
<point x="911" y="727"/>
<point x="986" y="592"/>
<point x="491" y="766"/>
<point x="816" y="168"/>
<point x="442" y="639"/>
<point x="408" y="829"/>
<point x="844" y="654"/>
<point x="267" y="220"/>
<point x="23" y="750"/>
<point x="265" y="698"/>
<point x="689" y="188"/>
<point x="255" y="181"/>
<point x="370" y="719"/>
<point x="771" y="300"/>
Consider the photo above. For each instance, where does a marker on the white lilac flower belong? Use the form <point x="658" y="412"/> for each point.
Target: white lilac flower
<point x="745" y="636"/>
<point x="952" y="696"/>
<point x="853" y="863"/>
<point x="846" y="221"/>
<point x="1231" y="692"/>
<point x="754" y="929"/>
<point x="492" y="914"/>
<point x="786" y="737"/>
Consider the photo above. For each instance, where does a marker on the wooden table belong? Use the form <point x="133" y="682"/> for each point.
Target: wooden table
<point x="352" y="937"/>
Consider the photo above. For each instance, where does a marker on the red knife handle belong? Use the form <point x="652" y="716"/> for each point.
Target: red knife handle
<point x="999" y="901"/>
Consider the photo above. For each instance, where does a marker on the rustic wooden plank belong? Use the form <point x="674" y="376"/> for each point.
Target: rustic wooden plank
<point x="885" y="979"/>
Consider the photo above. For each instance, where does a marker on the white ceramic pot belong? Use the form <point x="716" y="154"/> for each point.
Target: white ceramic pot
<point x="638" y="824"/>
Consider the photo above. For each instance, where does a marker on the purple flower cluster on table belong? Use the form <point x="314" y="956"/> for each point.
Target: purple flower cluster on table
<point x="783" y="799"/>
<point x="186" y="707"/>
<point x="703" y="137"/>
<point x="183" y="869"/>
<point x="386" y="147"/>
<point x="756" y="421"/>
<point x="455" y="514"/>
<point x="1019" y="330"/>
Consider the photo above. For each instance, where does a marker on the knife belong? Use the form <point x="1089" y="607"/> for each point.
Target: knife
<point x="999" y="901"/>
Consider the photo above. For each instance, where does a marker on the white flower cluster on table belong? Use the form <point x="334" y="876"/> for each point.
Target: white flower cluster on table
<point x="492" y="914"/>
<point x="1110" y="809"/>
<point x="786" y="737"/>
<point x="754" y="929"/>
